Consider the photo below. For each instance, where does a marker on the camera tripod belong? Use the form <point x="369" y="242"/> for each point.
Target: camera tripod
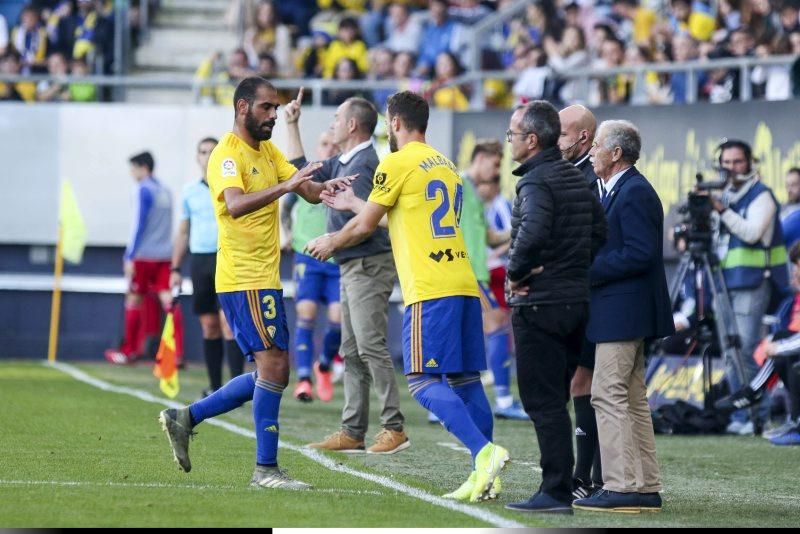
<point x="704" y="266"/>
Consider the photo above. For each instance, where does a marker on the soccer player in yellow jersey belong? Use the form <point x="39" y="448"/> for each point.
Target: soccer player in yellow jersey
<point x="247" y="175"/>
<point x="420" y="192"/>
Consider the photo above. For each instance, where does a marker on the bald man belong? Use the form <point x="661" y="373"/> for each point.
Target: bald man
<point x="578" y="126"/>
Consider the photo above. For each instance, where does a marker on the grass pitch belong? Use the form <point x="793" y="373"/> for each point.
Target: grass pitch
<point x="76" y="456"/>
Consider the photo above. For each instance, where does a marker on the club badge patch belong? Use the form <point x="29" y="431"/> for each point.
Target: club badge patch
<point x="228" y="167"/>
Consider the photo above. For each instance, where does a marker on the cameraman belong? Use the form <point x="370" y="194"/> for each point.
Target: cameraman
<point x="752" y="253"/>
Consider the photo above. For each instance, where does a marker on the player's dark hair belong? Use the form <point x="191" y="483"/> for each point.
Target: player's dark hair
<point x="144" y="159"/>
<point x="492" y="147"/>
<point x="364" y="112"/>
<point x="793" y="170"/>
<point x="208" y="140"/>
<point x="411" y="108"/>
<point x="541" y="118"/>
<point x="246" y="90"/>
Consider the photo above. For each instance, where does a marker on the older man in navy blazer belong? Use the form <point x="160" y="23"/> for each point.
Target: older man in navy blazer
<point x="629" y="305"/>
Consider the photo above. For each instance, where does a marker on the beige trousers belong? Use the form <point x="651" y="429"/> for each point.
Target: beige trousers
<point x="624" y="424"/>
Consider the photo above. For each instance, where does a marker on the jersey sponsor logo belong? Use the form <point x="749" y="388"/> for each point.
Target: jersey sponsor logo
<point x="380" y="181"/>
<point x="272" y="428"/>
<point x="440" y="254"/>
<point x="431" y="363"/>
<point x="228" y="167"/>
<point x="254" y="171"/>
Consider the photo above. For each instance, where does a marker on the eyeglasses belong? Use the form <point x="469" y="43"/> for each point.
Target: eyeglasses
<point x="510" y="134"/>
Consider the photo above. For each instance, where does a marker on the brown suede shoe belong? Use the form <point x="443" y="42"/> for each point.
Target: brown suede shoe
<point x="389" y="442"/>
<point x="339" y="442"/>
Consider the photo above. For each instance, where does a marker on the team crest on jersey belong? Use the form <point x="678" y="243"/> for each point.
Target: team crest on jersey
<point x="228" y="167"/>
<point x="271" y="331"/>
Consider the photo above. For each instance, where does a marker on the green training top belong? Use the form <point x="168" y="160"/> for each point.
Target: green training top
<point x="473" y="225"/>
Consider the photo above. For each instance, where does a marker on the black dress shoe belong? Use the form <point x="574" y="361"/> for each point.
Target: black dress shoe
<point x="542" y="503"/>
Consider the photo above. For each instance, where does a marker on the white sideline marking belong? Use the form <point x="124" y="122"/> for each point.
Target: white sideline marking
<point x="458" y="448"/>
<point x="77" y="483"/>
<point x="472" y="511"/>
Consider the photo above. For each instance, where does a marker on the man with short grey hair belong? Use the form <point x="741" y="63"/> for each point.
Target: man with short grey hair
<point x="629" y="305"/>
<point x="368" y="276"/>
<point x="557" y="225"/>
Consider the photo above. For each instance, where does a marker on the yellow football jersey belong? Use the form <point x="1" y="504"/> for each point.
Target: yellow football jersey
<point x="424" y="193"/>
<point x="249" y="253"/>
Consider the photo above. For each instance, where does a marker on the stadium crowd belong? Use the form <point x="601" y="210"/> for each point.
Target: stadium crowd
<point x="422" y="49"/>
<point x="423" y="45"/>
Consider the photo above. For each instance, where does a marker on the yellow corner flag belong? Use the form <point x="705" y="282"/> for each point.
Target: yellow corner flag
<point x="72" y="225"/>
<point x="166" y="367"/>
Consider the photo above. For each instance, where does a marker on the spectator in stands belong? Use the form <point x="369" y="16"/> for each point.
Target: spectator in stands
<point x="723" y="85"/>
<point x="82" y="91"/>
<point x="267" y="35"/>
<point x="684" y="48"/>
<point x="729" y="14"/>
<point x="772" y="82"/>
<point x="11" y="64"/>
<point x="543" y="20"/>
<point x="237" y="69"/>
<point x="452" y="97"/>
<point x="694" y="18"/>
<point x="53" y="24"/>
<point x="789" y="17"/>
<point x="372" y="22"/>
<point x="564" y="57"/>
<point x="614" y="89"/>
<point x="441" y="34"/>
<point x="533" y="76"/>
<point x="405" y="32"/>
<point x="54" y="90"/>
<point x="601" y="32"/>
<point x="346" y="70"/>
<point x="347" y="45"/>
<point x="468" y="12"/>
<point x="310" y="61"/>
<point x="647" y="88"/>
<point x="380" y="68"/>
<point x="85" y="32"/>
<point x="297" y="14"/>
<point x="762" y="22"/>
<point x="794" y="72"/>
<point x="403" y="67"/>
<point x="267" y="66"/>
<point x="30" y="40"/>
<point x="3" y="35"/>
<point x="636" y="23"/>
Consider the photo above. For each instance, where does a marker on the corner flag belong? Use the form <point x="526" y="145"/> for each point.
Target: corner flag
<point x="166" y="367"/>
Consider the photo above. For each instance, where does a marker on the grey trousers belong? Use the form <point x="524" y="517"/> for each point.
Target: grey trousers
<point x="366" y="284"/>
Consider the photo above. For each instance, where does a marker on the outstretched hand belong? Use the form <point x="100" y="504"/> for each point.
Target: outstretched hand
<point x="343" y="200"/>
<point x="340" y="184"/>
<point x="320" y="248"/>
<point x="292" y="109"/>
<point x="303" y="175"/>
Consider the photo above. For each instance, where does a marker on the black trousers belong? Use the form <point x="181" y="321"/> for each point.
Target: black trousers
<point x="548" y="341"/>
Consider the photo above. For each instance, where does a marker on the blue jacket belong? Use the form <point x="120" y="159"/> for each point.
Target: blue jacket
<point x="629" y="295"/>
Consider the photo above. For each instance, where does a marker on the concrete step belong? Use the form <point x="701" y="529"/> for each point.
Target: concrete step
<point x="148" y="57"/>
<point x="160" y="95"/>
<point x="188" y="5"/>
<point x="173" y="39"/>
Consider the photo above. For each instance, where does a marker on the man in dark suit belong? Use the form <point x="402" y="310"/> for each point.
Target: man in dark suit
<point x="629" y="304"/>
<point x="578" y="127"/>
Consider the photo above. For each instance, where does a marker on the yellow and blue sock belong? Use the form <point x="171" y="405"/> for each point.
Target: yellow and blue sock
<point x="469" y="389"/>
<point x="230" y="396"/>
<point x="303" y="348"/>
<point x="500" y="363"/>
<point x="437" y="397"/>
<point x="266" y="405"/>
<point x="333" y="338"/>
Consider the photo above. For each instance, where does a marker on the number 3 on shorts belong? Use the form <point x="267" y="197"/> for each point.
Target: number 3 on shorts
<point x="269" y="301"/>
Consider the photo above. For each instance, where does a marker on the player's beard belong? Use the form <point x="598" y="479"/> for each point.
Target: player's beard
<point x="392" y="141"/>
<point x="256" y="129"/>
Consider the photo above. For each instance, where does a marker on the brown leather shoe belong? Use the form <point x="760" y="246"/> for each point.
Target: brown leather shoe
<point x="389" y="442"/>
<point x="339" y="441"/>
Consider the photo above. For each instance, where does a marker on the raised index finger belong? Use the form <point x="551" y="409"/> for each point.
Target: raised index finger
<point x="299" y="98"/>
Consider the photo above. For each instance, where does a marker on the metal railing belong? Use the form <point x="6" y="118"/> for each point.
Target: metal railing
<point x="317" y="87"/>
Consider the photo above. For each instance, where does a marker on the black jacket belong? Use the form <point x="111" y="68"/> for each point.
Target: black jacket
<point x="585" y="166"/>
<point x="556" y="223"/>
